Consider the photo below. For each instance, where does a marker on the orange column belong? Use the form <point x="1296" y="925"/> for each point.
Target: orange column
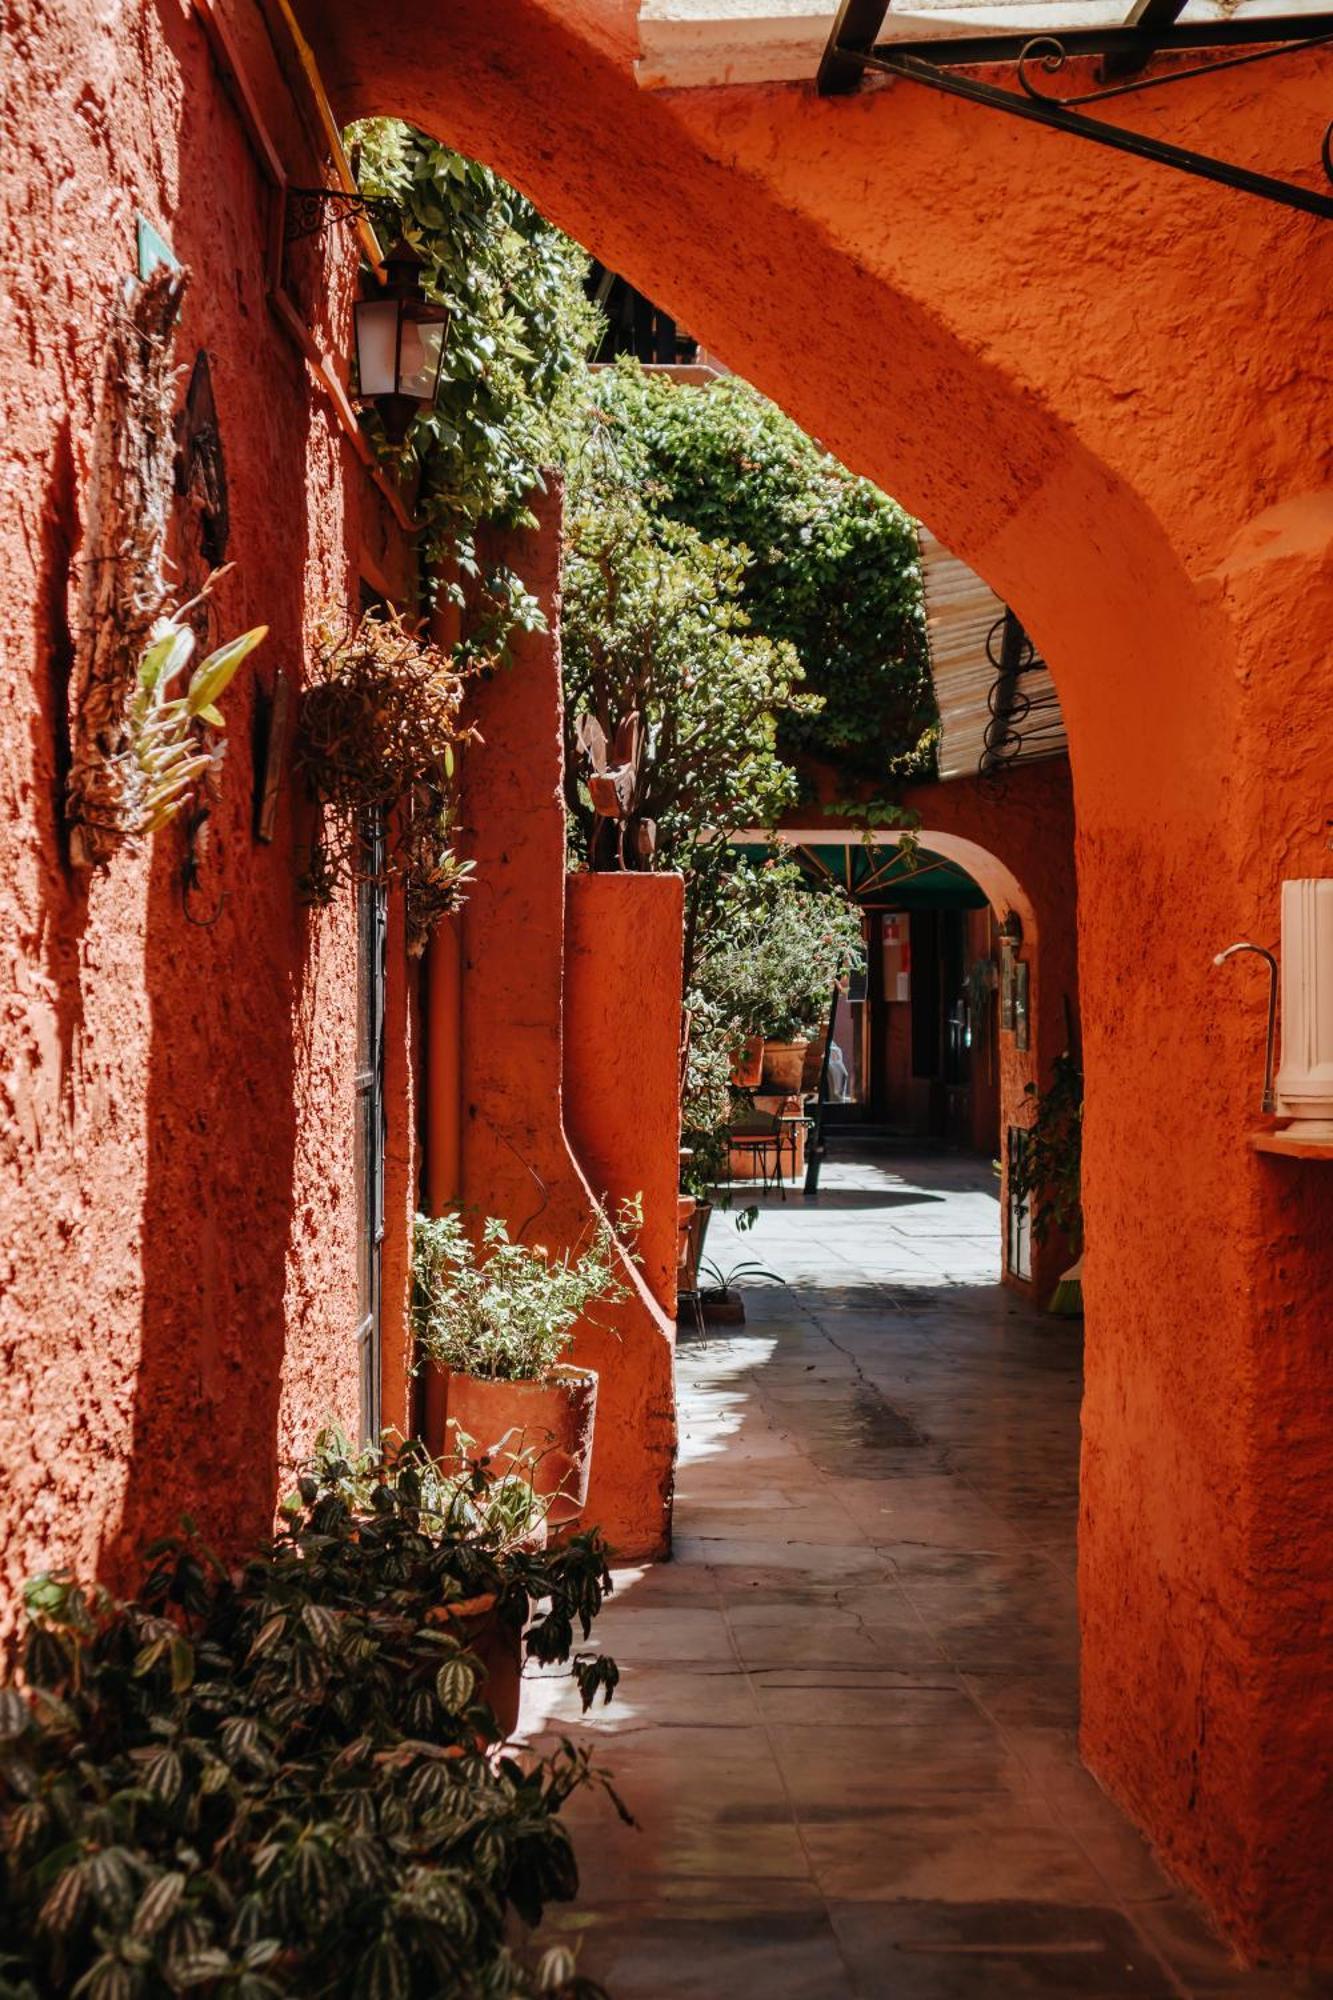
<point x="517" y="1162"/>
<point x="622" y="1030"/>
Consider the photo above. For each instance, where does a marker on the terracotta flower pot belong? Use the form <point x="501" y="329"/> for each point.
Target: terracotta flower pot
<point x="813" y="1064"/>
<point x="541" y="1430"/>
<point x="498" y="1648"/>
<point x="685" y="1207"/>
<point x="783" y="1063"/>
<point x="747" y="1067"/>
<point x="696" y="1228"/>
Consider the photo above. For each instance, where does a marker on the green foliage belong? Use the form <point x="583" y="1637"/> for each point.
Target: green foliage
<point x="652" y="624"/>
<point x="831" y="563"/>
<point x="706" y="1099"/>
<point x="504" y="1311"/>
<point x="1051" y="1177"/>
<point x="520" y="328"/>
<point x="167" y="754"/>
<point x="286" y="1782"/>
<point x="775" y="947"/>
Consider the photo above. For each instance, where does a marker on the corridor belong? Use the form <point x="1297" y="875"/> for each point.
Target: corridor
<point x="846" y="1719"/>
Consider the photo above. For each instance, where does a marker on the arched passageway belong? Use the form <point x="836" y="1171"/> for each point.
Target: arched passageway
<point x="1018" y="849"/>
<point x="1091" y="379"/>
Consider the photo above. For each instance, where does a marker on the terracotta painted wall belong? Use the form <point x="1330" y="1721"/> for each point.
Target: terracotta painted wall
<point x="516" y="1157"/>
<point x="177" y="1212"/>
<point x="623" y="969"/>
<point x="1102" y="384"/>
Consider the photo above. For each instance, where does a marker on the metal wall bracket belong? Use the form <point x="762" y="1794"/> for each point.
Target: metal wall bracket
<point x="314" y="211"/>
<point x="851" y="54"/>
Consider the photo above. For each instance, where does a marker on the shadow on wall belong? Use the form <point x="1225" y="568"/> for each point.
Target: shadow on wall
<point x="231" y="1287"/>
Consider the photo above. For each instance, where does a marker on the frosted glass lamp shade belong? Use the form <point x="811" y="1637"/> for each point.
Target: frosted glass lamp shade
<point x="377" y="346"/>
<point x="400" y="336"/>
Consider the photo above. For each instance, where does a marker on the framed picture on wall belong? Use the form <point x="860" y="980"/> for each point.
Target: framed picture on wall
<point x="1008" y="991"/>
<point x="1021" y="989"/>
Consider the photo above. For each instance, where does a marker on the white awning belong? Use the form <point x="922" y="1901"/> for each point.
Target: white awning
<point x="686" y="43"/>
<point x="962" y="613"/>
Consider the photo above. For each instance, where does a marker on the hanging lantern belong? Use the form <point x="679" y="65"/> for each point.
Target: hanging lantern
<point x="400" y="337"/>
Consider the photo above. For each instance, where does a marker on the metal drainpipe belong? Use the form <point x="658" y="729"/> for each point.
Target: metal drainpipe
<point x="443" y="1083"/>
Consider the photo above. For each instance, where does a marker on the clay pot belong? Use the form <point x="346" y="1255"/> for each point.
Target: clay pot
<point x="497" y="1646"/>
<point x="783" y="1063"/>
<point x="747" y="1067"/>
<point x="813" y="1064"/>
<point x="538" y="1430"/>
<point x="687" y="1276"/>
<point x="685" y="1207"/>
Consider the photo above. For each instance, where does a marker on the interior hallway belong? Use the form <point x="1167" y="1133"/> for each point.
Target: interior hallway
<point x="846" y="1719"/>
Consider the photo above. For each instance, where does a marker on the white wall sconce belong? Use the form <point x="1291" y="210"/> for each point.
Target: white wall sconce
<point x="1301" y="1093"/>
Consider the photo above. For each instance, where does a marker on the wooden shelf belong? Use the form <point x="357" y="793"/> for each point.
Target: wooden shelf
<point x="1287" y="1146"/>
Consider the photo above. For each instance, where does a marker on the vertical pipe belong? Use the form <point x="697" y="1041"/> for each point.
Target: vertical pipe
<point x="442" y="1124"/>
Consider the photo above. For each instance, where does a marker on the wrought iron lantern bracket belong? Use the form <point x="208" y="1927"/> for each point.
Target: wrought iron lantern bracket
<point x="851" y="53"/>
<point x="314" y="211"/>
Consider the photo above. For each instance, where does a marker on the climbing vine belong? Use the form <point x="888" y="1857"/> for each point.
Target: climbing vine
<point x="519" y="329"/>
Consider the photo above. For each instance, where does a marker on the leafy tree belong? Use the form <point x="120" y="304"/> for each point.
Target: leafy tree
<point x="652" y="625"/>
<point x="830" y="564"/>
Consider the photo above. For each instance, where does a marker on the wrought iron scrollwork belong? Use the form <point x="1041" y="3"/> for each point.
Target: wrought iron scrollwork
<point x="1012" y="654"/>
<point x="1048" y="54"/>
<point x="939" y="66"/>
<point x="314" y="211"/>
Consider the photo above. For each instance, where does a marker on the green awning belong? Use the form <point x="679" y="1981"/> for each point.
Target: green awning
<point x="885" y="877"/>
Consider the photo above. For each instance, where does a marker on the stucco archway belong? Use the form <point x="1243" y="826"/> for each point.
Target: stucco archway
<point x="1086" y="376"/>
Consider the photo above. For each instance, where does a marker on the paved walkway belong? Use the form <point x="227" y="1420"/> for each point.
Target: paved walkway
<point x="846" y="1723"/>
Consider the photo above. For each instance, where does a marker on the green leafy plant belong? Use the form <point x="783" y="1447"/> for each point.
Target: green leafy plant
<point x="1050" y="1179"/>
<point x="501" y="1310"/>
<point x="651" y="625"/>
<point x="748" y="1271"/>
<point x="286" y="1781"/>
<point x="377" y="736"/>
<point x="170" y="751"/>
<point x="172" y="740"/>
<point x="775" y="948"/>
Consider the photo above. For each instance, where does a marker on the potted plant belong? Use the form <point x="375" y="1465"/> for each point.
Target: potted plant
<point x="285" y="1776"/>
<point x="500" y="1317"/>
<point x="770" y="963"/>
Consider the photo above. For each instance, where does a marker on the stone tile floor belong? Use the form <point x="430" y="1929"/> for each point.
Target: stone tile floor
<point x="846" y="1724"/>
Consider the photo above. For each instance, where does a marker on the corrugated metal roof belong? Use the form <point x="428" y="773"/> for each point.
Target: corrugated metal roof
<point x="962" y="612"/>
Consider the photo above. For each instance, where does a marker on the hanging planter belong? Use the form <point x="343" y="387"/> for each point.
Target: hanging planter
<point x="748" y="1067"/>
<point x="377" y="737"/>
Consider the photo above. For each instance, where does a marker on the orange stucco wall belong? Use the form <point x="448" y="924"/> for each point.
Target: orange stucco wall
<point x="623" y="965"/>
<point x="177" y="1199"/>
<point x="1104" y="385"/>
<point x="516" y="1158"/>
